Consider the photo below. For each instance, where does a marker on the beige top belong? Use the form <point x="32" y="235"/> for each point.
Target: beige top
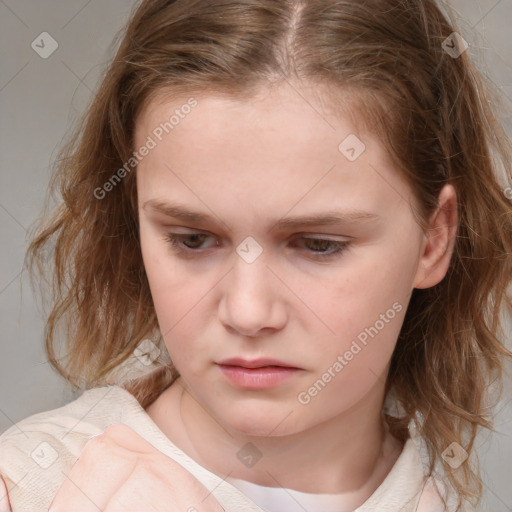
<point x="37" y="452"/>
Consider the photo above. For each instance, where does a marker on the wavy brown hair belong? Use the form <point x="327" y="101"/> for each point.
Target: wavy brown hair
<point x="434" y="113"/>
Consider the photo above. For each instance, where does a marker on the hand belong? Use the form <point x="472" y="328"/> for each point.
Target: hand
<point x="5" y="505"/>
<point x="119" y="471"/>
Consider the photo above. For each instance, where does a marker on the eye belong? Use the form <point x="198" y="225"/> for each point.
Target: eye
<point x="337" y="246"/>
<point x="317" y="247"/>
<point x="190" y="241"/>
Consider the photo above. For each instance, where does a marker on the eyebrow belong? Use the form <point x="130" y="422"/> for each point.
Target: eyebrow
<point x="179" y="211"/>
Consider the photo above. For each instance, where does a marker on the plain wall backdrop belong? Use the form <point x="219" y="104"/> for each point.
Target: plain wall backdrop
<point x="41" y="99"/>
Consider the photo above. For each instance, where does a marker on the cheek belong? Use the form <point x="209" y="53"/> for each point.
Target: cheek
<point x="180" y="304"/>
<point x="347" y="365"/>
<point x="180" y="311"/>
<point x="364" y="310"/>
<point x="360" y="295"/>
<point x="178" y="297"/>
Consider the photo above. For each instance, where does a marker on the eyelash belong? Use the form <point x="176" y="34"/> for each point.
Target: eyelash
<point x="174" y="240"/>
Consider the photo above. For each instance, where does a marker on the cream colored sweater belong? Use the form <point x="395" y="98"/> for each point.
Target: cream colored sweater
<point x="37" y="453"/>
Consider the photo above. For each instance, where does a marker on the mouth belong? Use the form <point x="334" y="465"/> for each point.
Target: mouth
<point x="255" y="363"/>
<point x="258" y="373"/>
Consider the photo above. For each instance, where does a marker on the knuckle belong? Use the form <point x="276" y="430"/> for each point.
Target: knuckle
<point x="98" y="447"/>
<point x="107" y="438"/>
<point x="115" y="429"/>
<point x="145" y="464"/>
<point x="94" y="449"/>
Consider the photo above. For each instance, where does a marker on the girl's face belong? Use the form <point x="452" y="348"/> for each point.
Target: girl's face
<point x="252" y="277"/>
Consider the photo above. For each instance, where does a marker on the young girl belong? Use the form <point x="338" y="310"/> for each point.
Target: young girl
<point x="280" y="262"/>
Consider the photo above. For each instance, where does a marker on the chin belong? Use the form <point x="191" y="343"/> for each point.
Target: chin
<point x="259" y="422"/>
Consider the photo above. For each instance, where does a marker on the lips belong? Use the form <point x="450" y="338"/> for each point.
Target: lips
<point x="256" y="374"/>
<point x="255" y="363"/>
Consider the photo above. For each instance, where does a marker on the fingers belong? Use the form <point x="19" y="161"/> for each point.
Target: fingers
<point x="162" y="485"/>
<point x="127" y="438"/>
<point x="120" y="471"/>
<point x="102" y="468"/>
<point x="5" y="505"/>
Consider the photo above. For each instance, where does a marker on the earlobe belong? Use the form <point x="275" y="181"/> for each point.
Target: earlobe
<point x="440" y="240"/>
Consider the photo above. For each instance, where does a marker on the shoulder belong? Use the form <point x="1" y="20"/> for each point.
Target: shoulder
<point x="431" y="498"/>
<point x="37" y="452"/>
<point x="437" y="494"/>
<point x="409" y="487"/>
<point x="88" y="415"/>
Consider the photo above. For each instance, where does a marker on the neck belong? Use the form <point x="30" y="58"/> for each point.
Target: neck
<point x="351" y="453"/>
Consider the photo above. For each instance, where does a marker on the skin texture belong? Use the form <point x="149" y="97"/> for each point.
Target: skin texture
<point x="249" y="164"/>
<point x="120" y="471"/>
<point x="5" y="505"/>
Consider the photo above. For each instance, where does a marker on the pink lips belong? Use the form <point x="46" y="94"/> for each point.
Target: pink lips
<point x="256" y="374"/>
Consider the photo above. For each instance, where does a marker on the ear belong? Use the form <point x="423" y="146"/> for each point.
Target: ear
<point x="439" y="240"/>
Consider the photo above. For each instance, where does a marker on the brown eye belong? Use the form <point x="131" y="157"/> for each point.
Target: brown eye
<point x="320" y="247"/>
<point x="316" y="247"/>
<point x="190" y="242"/>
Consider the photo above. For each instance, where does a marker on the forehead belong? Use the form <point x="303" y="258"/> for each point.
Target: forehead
<point x="304" y="119"/>
<point x="316" y="102"/>
<point x="283" y="140"/>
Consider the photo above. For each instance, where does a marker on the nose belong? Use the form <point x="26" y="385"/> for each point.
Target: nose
<point x="253" y="300"/>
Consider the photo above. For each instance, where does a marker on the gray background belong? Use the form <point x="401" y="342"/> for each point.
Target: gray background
<point x="40" y="100"/>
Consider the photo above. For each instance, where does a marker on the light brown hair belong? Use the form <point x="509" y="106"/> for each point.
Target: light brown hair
<point x="430" y="109"/>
